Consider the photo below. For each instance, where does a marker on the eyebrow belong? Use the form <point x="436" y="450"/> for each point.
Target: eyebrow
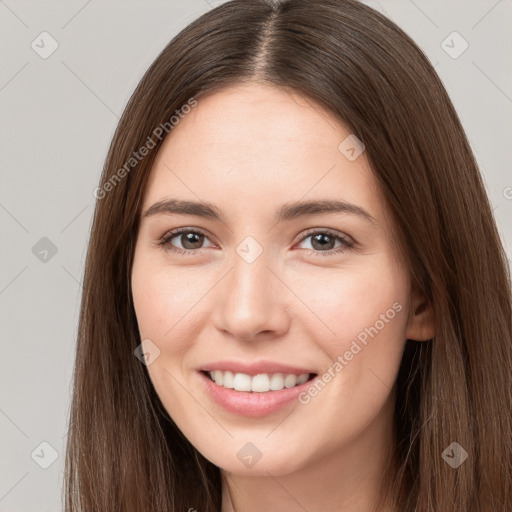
<point x="286" y="212"/>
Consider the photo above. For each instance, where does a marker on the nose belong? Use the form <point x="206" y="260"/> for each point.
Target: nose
<point x="251" y="301"/>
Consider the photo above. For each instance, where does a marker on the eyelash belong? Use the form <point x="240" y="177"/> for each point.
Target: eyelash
<point x="165" y="241"/>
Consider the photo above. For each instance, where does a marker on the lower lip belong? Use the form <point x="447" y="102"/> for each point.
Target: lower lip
<point x="252" y="404"/>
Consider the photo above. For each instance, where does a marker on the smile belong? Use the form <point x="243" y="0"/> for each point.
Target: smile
<point x="260" y="383"/>
<point x="249" y="402"/>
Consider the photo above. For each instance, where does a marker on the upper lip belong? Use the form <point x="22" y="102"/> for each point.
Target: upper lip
<point x="253" y="368"/>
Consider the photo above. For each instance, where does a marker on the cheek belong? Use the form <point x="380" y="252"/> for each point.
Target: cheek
<point x="366" y="308"/>
<point x="164" y="306"/>
<point x="364" y="316"/>
<point x="151" y="301"/>
<point x="168" y="304"/>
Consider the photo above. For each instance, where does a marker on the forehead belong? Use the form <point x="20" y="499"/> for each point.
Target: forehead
<point x="257" y="146"/>
<point x="249" y="117"/>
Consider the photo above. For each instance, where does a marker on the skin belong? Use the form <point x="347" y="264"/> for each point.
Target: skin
<point x="249" y="149"/>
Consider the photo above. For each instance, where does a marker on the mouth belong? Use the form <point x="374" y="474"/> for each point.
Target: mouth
<point x="259" y="383"/>
<point x="253" y="396"/>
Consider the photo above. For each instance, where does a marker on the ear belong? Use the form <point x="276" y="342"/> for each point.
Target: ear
<point x="422" y="323"/>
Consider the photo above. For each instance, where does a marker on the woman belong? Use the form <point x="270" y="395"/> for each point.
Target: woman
<point x="295" y="295"/>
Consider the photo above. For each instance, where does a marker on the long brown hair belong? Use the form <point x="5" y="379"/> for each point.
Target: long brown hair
<point x="124" y="452"/>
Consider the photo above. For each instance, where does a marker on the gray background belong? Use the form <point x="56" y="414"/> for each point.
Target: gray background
<point x="57" y="118"/>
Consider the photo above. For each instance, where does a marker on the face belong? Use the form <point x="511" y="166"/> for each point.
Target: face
<point x="250" y="281"/>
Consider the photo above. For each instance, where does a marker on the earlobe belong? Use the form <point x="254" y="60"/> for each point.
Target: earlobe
<point x="422" y="325"/>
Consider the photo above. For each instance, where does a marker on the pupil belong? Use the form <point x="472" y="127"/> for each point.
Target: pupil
<point x="323" y="240"/>
<point x="188" y="240"/>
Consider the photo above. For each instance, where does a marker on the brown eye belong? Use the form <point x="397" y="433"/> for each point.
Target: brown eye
<point x="322" y="241"/>
<point x="326" y="242"/>
<point x="184" y="240"/>
<point x="191" y="240"/>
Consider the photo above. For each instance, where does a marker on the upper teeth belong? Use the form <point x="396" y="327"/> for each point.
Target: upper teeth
<point x="260" y="383"/>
